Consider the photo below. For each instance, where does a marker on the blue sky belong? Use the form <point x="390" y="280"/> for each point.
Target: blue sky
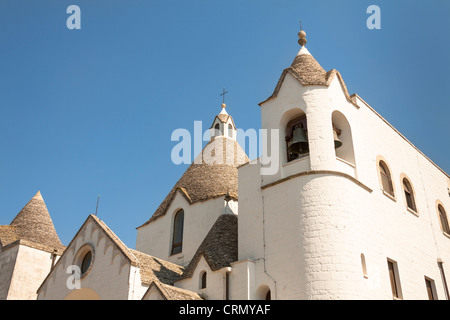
<point x="90" y="112"/>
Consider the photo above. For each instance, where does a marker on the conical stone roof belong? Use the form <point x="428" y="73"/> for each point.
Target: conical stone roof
<point x="220" y="246"/>
<point x="308" y="69"/>
<point x="212" y="174"/>
<point x="33" y="223"/>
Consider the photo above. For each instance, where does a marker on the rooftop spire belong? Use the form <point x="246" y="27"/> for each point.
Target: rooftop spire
<point x="223" y="99"/>
<point x="223" y="102"/>
<point x="34" y="223"/>
<point x="301" y="36"/>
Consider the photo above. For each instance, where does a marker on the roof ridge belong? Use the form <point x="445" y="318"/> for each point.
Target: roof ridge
<point x="173" y="293"/>
<point x="122" y="246"/>
<point x="153" y="268"/>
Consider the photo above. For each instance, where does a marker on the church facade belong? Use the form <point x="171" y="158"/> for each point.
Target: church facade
<point x="354" y="211"/>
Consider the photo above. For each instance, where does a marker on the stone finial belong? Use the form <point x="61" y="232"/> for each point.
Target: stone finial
<point x="302" y="38"/>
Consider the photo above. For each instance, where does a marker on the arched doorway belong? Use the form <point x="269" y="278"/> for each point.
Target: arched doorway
<point x="263" y="293"/>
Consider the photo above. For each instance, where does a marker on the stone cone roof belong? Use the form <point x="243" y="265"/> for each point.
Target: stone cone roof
<point x="308" y="69"/>
<point x="205" y="179"/>
<point x="33" y="223"/>
<point x="309" y="72"/>
<point x="220" y="246"/>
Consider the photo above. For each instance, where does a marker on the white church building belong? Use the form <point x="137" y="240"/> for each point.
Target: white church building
<point x="354" y="211"/>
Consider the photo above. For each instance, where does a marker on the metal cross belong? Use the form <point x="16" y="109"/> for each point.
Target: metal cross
<point x="223" y="94"/>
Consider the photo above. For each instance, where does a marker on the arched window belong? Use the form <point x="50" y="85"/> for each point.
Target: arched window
<point x="203" y="280"/>
<point x="217" y="129"/>
<point x="177" y="235"/>
<point x="443" y="219"/>
<point x="409" y="195"/>
<point x="343" y="140"/>
<point x="386" y="180"/>
<point x="268" y="297"/>
<point x="230" y="130"/>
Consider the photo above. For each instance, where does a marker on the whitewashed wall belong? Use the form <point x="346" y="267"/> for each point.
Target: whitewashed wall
<point x="215" y="282"/>
<point x="309" y="232"/>
<point x="110" y="275"/>
<point x="22" y="271"/>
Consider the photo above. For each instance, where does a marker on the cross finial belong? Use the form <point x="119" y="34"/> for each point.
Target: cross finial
<point x="223" y="96"/>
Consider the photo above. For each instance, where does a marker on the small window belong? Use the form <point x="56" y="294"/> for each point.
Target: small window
<point x="230" y="130"/>
<point x="409" y="195"/>
<point x="363" y="265"/>
<point x="443" y="219"/>
<point x="386" y="180"/>
<point x="86" y="263"/>
<point x="394" y="278"/>
<point x="444" y="280"/>
<point x="177" y="235"/>
<point x="430" y="288"/>
<point x="203" y="280"/>
<point x="217" y="130"/>
<point x="84" y="259"/>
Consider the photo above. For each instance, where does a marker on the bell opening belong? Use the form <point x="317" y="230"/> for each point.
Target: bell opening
<point x="337" y="142"/>
<point x="299" y="144"/>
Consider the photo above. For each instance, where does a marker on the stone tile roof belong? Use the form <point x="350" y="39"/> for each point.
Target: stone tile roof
<point x="154" y="269"/>
<point x="223" y="117"/>
<point x="8" y="235"/>
<point x="203" y="181"/>
<point x="309" y="72"/>
<point x="173" y="293"/>
<point x="32" y="224"/>
<point x="220" y="246"/>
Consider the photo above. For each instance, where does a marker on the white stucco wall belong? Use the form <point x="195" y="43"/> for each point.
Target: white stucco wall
<point x="30" y="269"/>
<point x="215" y="282"/>
<point x="7" y="263"/>
<point x="311" y="230"/>
<point x="110" y="274"/>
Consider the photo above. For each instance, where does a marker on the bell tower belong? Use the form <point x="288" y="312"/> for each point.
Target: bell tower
<point x="223" y="125"/>
<point x="285" y="211"/>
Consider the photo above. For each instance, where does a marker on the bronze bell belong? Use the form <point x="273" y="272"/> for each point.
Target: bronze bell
<point x="337" y="142"/>
<point x="299" y="143"/>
